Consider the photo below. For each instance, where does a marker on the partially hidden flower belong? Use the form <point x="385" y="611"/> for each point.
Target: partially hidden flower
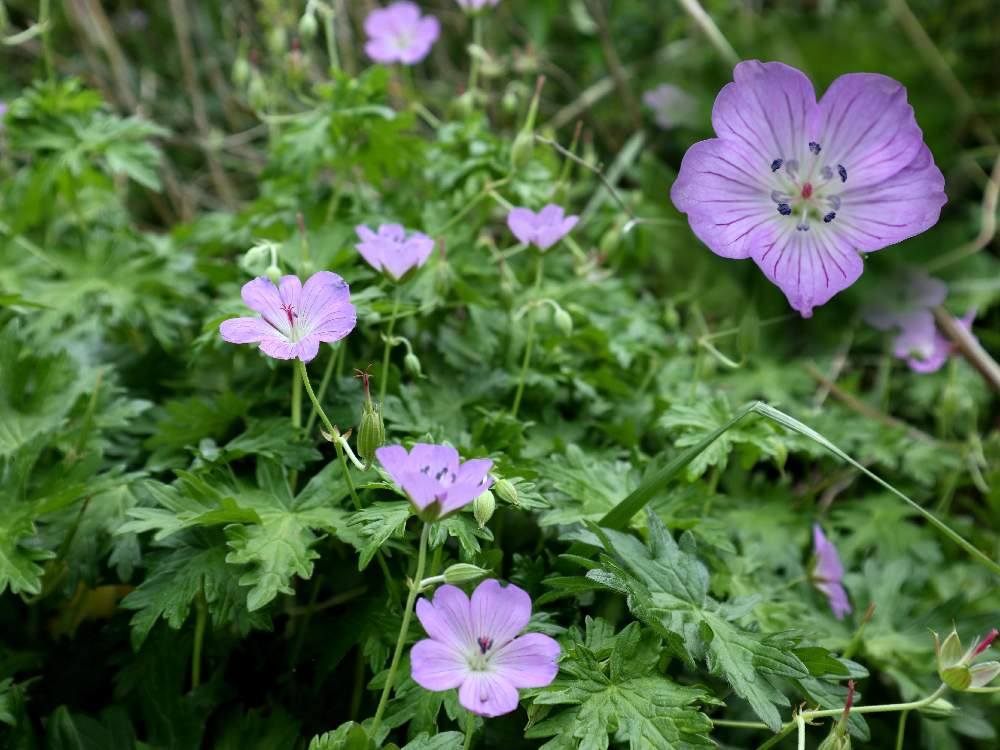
<point x="909" y="298"/>
<point x="434" y="478"/>
<point x="671" y="105"/>
<point x="827" y="574"/>
<point x="474" y="5"/>
<point x="923" y="346"/>
<point x="544" y="228"/>
<point x="474" y="646"/>
<point x="294" y="318"/>
<point x="400" y="34"/>
<point x="803" y="188"/>
<point x="958" y="669"/>
<point x="392" y="250"/>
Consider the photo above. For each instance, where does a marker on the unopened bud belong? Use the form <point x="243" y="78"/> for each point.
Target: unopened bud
<point x="371" y="432"/>
<point x="463" y="573"/>
<point x="523" y="149"/>
<point x="506" y="491"/>
<point x="308" y="26"/>
<point x="483" y="507"/>
<point x="273" y="273"/>
<point x="241" y="72"/>
<point x="836" y="741"/>
<point x="257" y="92"/>
<point x="277" y="41"/>
<point x="412" y="365"/>
<point x="939" y="709"/>
<point x="564" y="322"/>
<point x="509" y="101"/>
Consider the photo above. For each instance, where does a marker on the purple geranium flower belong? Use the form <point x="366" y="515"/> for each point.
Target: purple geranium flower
<point x="432" y="475"/>
<point x="923" y="346"/>
<point x="544" y="229"/>
<point x="392" y="251"/>
<point x="473" y="647"/>
<point x="671" y="105"/>
<point x="804" y="187"/>
<point x="909" y="300"/>
<point x="400" y="34"/>
<point x="827" y="574"/>
<point x="294" y="319"/>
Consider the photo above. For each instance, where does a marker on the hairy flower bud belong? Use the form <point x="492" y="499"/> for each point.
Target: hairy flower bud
<point x="308" y="26"/>
<point x="412" y="365"/>
<point x="564" y="322"/>
<point x="371" y="433"/>
<point x="483" y="507"/>
<point x="506" y="491"/>
<point x="836" y="740"/>
<point x="277" y="41"/>
<point x="463" y="573"/>
<point x="273" y="273"/>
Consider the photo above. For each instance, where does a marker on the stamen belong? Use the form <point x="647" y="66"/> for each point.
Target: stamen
<point x="834" y="201"/>
<point x="778" y="197"/>
<point x="792" y="167"/>
<point x="776" y="164"/>
<point x="814" y="147"/>
<point x="842" y="171"/>
<point x="826" y="173"/>
<point x="290" y="312"/>
<point x="802" y="227"/>
<point x="829" y="217"/>
<point x="485" y="644"/>
<point x="784" y="209"/>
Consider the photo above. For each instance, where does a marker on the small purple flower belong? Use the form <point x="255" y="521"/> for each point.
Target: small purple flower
<point x="474" y="5"/>
<point x="294" y="319"/>
<point x="671" y="105"/>
<point x="827" y="574"/>
<point x="923" y="346"/>
<point x="907" y="301"/>
<point x="392" y="250"/>
<point x="544" y="229"/>
<point x="431" y="475"/>
<point x="400" y="34"/>
<point x="3" y="112"/>
<point x="473" y="646"/>
<point x="803" y="188"/>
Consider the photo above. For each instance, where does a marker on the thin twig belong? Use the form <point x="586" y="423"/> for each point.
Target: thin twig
<point x="970" y="347"/>
<point x="715" y="37"/>
<point x="587" y="165"/>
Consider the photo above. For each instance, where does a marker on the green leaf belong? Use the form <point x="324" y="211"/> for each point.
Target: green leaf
<point x="276" y="439"/>
<point x="378" y="523"/>
<point x="623" y="697"/>
<point x="19" y="558"/>
<point x="349" y="736"/>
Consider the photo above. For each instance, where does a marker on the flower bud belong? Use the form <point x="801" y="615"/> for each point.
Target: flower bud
<point x="257" y="92"/>
<point x="273" y="273"/>
<point x="836" y="740"/>
<point x="412" y="365"/>
<point x="371" y="433"/>
<point x="506" y="491"/>
<point x="277" y="41"/>
<point x="483" y="507"/>
<point x="939" y="709"/>
<point x="308" y="26"/>
<point x="523" y="149"/>
<point x="463" y="573"/>
<point x="564" y="322"/>
<point x="241" y="72"/>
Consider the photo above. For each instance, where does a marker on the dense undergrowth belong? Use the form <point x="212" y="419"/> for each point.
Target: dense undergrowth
<point x="182" y="563"/>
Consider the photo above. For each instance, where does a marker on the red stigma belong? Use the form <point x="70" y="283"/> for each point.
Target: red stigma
<point x="290" y="312"/>
<point x="807" y="190"/>
<point x="986" y="642"/>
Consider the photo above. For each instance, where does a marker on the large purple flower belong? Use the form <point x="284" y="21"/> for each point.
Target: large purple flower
<point x="432" y="474"/>
<point x="400" y="34"/>
<point x="294" y="319"/>
<point x="828" y="574"/>
<point x="392" y="251"/>
<point x="544" y="228"/>
<point x="472" y="647"/>
<point x="804" y="187"/>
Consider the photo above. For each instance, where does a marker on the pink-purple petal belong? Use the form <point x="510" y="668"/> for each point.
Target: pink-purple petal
<point x="436" y="667"/>
<point x="394" y="460"/>
<point x="487" y="694"/>
<point x="261" y="295"/>
<point x="447" y="618"/>
<point x="528" y="661"/>
<point x="246" y="330"/>
<point x="499" y="612"/>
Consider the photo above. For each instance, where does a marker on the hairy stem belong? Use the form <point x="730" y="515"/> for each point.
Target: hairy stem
<point x="529" y="344"/>
<point x="388" y="348"/>
<point x="404" y="630"/>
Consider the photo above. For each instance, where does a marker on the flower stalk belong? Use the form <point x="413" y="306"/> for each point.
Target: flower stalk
<point x="530" y="340"/>
<point x="388" y="347"/>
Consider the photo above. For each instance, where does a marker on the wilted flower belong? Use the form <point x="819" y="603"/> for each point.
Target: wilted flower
<point x="827" y="574"/>
<point x="804" y="187"/>
<point x="544" y="228"/>
<point x="957" y="668"/>
<point x="474" y="5"/>
<point x="433" y="478"/>
<point x="671" y="105"/>
<point x="400" y="34"/>
<point x="473" y="646"/>
<point x="294" y="319"/>
<point x="392" y="250"/>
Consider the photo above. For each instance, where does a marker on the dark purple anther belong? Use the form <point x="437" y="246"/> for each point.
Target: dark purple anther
<point x="842" y="171"/>
<point x="784" y="209"/>
<point x="814" y="147"/>
<point x="829" y="217"/>
<point x="484" y="644"/>
<point x="776" y="164"/>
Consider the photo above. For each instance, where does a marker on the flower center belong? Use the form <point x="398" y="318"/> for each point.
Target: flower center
<point x="807" y="194"/>
<point x="479" y="660"/>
